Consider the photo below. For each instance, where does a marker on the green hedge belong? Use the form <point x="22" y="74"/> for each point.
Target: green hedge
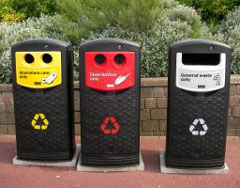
<point x="80" y="17"/>
<point x="8" y="14"/>
<point x="229" y="30"/>
<point x="174" y="22"/>
<point x="212" y="11"/>
<point x="34" y="8"/>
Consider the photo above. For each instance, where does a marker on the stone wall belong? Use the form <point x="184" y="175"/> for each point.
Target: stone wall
<point x="153" y="107"/>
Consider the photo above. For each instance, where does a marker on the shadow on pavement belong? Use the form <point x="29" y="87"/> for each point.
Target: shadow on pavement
<point x="151" y="160"/>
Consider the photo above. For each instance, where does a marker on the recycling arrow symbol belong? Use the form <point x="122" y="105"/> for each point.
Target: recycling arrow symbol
<point x="193" y="128"/>
<point x="113" y="131"/>
<point x="36" y="119"/>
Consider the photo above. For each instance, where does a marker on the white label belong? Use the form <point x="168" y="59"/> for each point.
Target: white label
<point x="110" y="85"/>
<point x="200" y="78"/>
<point x="49" y="79"/>
<point x="95" y="76"/>
<point x="121" y="79"/>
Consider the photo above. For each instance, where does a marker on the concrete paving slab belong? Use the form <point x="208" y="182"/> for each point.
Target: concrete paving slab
<point x="125" y="168"/>
<point x="191" y="171"/>
<point x="69" y="164"/>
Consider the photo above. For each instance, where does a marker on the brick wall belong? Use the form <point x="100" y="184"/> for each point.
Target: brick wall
<point x="153" y="107"/>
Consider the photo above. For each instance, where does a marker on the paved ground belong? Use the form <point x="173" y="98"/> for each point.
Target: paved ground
<point x="34" y="177"/>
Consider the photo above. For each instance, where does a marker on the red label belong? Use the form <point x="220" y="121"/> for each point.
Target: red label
<point x="108" y="120"/>
<point x="110" y="71"/>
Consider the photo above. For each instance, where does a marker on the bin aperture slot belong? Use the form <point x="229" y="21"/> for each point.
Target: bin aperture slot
<point x="200" y="59"/>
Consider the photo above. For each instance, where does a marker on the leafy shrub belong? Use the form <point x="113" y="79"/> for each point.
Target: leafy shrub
<point x="5" y="67"/>
<point x="168" y="4"/>
<point x="212" y="11"/>
<point x="7" y="14"/>
<point x="44" y="27"/>
<point x="34" y="8"/>
<point x="230" y="29"/>
<point x="185" y="14"/>
<point x="81" y="17"/>
<point x="192" y="3"/>
<point x="215" y="11"/>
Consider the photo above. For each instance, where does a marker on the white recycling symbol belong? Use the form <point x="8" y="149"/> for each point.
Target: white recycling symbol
<point x="195" y="132"/>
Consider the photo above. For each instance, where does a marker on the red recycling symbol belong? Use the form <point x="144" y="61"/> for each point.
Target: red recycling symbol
<point x="115" y="124"/>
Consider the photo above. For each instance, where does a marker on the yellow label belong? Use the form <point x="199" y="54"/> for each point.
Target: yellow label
<point x="38" y="73"/>
<point x="40" y="126"/>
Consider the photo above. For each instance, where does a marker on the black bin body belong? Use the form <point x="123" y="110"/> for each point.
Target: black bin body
<point x="110" y="102"/>
<point x="43" y="100"/>
<point x="198" y="97"/>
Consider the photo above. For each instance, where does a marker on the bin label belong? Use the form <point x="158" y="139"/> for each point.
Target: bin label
<point x="38" y="74"/>
<point x="40" y="122"/>
<point x="109" y="75"/>
<point x="200" y="78"/>
<point x="196" y="125"/>
<point x="105" y="126"/>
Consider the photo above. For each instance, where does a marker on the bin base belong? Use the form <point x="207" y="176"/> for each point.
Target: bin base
<point x="190" y="171"/>
<point x="71" y="163"/>
<point x="123" y="168"/>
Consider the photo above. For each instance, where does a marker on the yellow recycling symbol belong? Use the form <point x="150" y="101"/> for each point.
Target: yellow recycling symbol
<point x="45" y="124"/>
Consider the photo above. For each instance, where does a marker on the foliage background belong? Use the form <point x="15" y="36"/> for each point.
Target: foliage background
<point x="8" y="14"/>
<point x="213" y="12"/>
<point x="154" y="24"/>
<point x="34" y="8"/>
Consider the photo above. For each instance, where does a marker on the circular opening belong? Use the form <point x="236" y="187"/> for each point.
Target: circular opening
<point x="100" y="59"/>
<point x="29" y="58"/>
<point x="47" y="58"/>
<point x="119" y="59"/>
